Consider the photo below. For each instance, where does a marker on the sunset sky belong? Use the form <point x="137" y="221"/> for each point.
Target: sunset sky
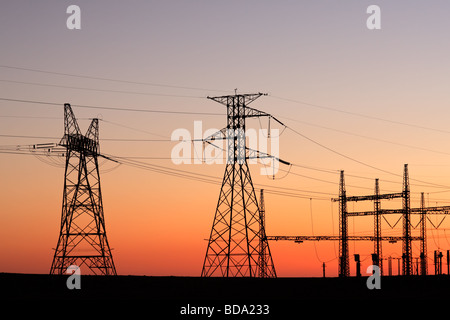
<point x="353" y="99"/>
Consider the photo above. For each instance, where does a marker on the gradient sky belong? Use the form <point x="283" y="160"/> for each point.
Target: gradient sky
<point x="378" y="96"/>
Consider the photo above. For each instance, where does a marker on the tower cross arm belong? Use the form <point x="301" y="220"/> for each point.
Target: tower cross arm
<point x="253" y="113"/>
<point x="372" y="197"/>
<point x="218" y="135"/>
<point x="255" y="154"/>
<point x="249" y="97"/>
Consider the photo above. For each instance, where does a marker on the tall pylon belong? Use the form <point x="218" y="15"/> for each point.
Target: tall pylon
<point x="82" y="240"/>
<point x="234" y="243"/>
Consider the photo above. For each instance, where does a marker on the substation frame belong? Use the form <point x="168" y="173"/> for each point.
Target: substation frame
<point x="406" y="211"/>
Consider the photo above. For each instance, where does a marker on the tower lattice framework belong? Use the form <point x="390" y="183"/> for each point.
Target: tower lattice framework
<point x="235" y="241"/>
<point x="82" y="239"/>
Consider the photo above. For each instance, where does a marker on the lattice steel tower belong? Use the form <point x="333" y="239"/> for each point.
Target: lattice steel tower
<point x="234" y="243"/>
<point x="82" y="239"/>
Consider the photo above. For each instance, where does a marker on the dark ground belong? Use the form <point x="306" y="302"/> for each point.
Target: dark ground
<point x="170" y="294"/>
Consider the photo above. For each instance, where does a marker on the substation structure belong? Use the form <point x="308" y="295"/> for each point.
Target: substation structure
<point x="377" y="259"/>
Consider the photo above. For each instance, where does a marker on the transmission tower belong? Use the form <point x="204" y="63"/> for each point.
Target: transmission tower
<point x="267" y="268"/>
<point x="82" y="240"/>
<point x="234" y="243"/>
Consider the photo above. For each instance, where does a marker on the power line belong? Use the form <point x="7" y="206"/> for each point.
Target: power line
<point x="322" y="180"/>
<point x="111" y="79"/>
<point x="341" y="154"/>
<point x="361" y="162"/>
<point x="158" y="158"/>
<point x="207" y="113"/>
<point x="336" y="172"/>
<point x="134" y="129"/>
<point x="319" y="126"/>
<point x="25" y="136"/>
<point x="167" y="140"/>
<point x="98" y="90"/>
<point x="130" y="161"/>
<point x="203" y="113"/>
<point x="114" y="108"/>
<point x="31" y="117"/>
<point x="101" y="139"/>
<point x="193" y="176"/>
<point x="369" y="138"/>
<point x="215" y="90"/>
<point x="206" y="178"/>
<point x="360" y="114"/>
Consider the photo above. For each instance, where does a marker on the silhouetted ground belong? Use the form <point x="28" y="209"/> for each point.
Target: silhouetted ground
<point x="170" y="294"/>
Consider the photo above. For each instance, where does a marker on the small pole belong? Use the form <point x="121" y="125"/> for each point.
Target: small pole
<point x="390" y="265"/>
<point x="358" y="265"/>
<point x="448" y="261"/>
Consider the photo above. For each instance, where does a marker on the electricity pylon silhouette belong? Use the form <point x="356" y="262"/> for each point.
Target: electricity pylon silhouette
<point x="82" y="240"/>
<point x="234" y="243"/>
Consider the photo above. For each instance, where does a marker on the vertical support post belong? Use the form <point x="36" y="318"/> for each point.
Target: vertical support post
<point x="377" y="227"/>
<point x="266" y="267"/>
<point x="390" y="266"/>
<point x="448" y="262"/>
<point x="406" y="255"/>
<point x="435" y="262"/>
<point x="423" y="235"/>
<point x="375" y="260"/>
<point x="344" y="268"/>
<point x="416" y="266"/>
<point x="358" y="265"/>
<point x="262" y="258"/>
